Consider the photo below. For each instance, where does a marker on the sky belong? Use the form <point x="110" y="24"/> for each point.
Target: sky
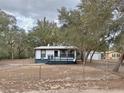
<point x="28" y="11"/>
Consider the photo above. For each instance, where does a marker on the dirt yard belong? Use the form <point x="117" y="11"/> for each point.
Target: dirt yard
<point x="24" y="76"/>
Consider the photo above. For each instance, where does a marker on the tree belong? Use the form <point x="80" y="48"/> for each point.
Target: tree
<point x="46" y="33"/>
<point x="88" y="26"/>
<point x="13" y="40"/>
<point x="7" y="22"/>
<point x="118" y="41"/>
<point x="120" y="47"/>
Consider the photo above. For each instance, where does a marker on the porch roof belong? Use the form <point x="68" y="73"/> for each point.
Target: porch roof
<point x="56" y="47"/>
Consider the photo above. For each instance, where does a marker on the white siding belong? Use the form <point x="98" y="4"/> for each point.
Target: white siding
<point x="38" y="54"/>
<point x="96" y="56"/>
<point x="49" y="52"/>
<point x="58" y="53"/>
<point x="75" y="54"/>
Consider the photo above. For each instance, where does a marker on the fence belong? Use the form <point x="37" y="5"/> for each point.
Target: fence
<point x="27" y="70"/>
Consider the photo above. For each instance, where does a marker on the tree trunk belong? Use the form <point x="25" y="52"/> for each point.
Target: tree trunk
<point x="82" y="56"/>
<point x="12" y="52"/>
<point x="92" y="56"/>
<point x="117" y="66"/>
<point x="87" y="55"/>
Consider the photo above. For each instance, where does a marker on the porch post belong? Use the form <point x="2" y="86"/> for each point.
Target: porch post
<point x="75" y="54"/>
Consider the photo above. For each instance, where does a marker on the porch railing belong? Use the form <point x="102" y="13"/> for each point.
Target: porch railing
<point x="67" y="55"/>
<point x="62" y="57"/>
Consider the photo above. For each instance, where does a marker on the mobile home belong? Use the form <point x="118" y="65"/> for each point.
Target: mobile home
<point x="55" y="54"/>
<point x="96" y="56"/>
<point x="112" y="55"/>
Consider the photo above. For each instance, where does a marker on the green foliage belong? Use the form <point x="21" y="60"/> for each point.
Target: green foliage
<point x="119" y="42"/>
<point x="46" y="33"/>
<point x="12" y="39"/>
<point x="88" y="23"/>
<point x="90" y="27"/>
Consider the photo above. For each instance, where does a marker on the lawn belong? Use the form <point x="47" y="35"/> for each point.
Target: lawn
<point x="25" y="75"/>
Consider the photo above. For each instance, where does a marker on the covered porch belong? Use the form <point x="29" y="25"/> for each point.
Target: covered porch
<point x="65" y="56"/>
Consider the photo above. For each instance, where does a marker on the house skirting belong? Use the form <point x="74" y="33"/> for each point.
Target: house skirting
<point x="41" y="60"/>
<point x="46" y="61"/>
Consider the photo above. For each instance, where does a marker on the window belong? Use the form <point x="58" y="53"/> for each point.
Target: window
<point x="56" y="53"/>
<point x="113" y="55"/>
<point x="118" y="55"/>
<point x="71" y="53"/>
<point x="43" y="53"/>
<point x="63" y="53"/>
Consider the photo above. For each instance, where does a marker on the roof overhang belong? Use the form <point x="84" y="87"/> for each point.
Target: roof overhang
<point x="55" y="47"/>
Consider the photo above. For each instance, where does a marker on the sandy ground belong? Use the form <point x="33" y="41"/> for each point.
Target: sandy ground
<point x="78" y="91"/>
<point x="23" y="76"/>
<point x="74" y="91"/>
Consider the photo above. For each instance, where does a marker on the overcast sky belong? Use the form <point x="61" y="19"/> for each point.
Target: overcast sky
<point x="27" y="11"/>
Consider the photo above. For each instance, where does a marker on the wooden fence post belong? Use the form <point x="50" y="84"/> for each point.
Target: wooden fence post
<point x="40" y="72"/>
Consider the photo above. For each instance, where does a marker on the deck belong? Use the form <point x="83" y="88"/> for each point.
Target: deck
<point x="61" y="60"/>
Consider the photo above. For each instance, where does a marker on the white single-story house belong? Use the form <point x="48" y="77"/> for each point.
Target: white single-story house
<point x="96" y="56"/>
<point x="55" y="54"/>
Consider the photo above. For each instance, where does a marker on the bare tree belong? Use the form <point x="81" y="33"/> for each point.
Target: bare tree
<point x="117" y="66"/>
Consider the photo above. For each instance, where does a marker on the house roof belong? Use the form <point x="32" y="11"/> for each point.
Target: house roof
<point x="109" y="52"/>
<point x="55" y="47"/>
